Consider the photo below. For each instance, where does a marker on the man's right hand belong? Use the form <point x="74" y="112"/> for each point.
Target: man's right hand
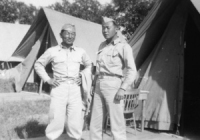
<point x="53" y="82"/>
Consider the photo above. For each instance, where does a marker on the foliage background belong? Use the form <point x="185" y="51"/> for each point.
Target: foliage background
<point x="128" y="13"/>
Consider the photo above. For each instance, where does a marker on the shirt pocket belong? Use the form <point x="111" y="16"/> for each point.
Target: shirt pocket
<point x="59" y="59"/>
<point x="59" y="62"/>
<point x="76" y="59"/>
<point x="113" y="57"/>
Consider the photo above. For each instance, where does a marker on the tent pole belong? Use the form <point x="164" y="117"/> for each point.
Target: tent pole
<point x="8" y="65"/>
<point x="41" y="84"/>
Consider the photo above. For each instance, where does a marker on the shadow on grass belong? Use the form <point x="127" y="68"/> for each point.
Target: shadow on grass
<point x="31" y="129"/>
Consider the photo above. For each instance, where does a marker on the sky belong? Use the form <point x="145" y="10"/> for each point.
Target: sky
<point x="43" y="3"/>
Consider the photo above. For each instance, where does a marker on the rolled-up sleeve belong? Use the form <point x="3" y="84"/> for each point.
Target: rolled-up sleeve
<point x="129" y="63"/>
<point x="41" y="63"/>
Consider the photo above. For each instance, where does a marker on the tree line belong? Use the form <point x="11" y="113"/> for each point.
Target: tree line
<point x="128" y="13"/>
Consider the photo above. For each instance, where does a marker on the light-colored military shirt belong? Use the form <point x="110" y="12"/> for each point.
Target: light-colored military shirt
<point x="113" y="58"/>
<point x="65" y="62"/>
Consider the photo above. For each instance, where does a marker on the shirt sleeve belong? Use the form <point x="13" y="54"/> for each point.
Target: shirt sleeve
<point x="129" y="63"/>
<point x="41" y="63"/>
<point x="87" y="63"/>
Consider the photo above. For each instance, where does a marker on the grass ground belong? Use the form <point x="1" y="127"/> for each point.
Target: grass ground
<point x="23" y="119"/>
<point x="24" y="115"/>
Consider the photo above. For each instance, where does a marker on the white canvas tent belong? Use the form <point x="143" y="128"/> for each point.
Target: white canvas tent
<point x="10" y="37"/>
<point x="44" y="33"/>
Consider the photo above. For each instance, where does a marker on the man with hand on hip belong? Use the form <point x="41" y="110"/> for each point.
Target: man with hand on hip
<point x="113" y="57"/>
<point x="66" y="101"/>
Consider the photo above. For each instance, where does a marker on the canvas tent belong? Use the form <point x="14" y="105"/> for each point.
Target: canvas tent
<point x="44" y="33"/>
<point x="10" y="37"/>
<point x="165" y="48"/>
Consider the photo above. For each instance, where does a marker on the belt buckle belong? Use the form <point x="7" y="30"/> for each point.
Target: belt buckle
<point x="70" y="82"/>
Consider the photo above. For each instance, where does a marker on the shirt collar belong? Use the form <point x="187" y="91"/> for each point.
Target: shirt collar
<point x="117" y="40"/>
<point x="71" y="48"/>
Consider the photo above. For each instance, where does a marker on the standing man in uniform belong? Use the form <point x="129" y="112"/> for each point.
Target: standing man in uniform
<point x="113" y="57"/>
<point x="66" y="101"/>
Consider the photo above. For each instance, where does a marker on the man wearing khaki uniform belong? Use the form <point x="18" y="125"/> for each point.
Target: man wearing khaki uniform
<point x="113" y="56"/>
<point x="66" y="101"/>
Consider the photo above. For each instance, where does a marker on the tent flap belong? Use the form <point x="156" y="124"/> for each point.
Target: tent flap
<point x="160" y="70"/>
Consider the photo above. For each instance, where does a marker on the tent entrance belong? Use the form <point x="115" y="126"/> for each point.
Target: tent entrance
<point x="191" y="98"/>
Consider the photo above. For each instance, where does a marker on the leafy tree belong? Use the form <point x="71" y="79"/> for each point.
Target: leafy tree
<point x="85" y="9"/>
<point x="12" y="11"/>
<point x="128" y="13"/>
<point x="8" y="11"/>
<point x="26" y="14"/>
<point x="108" y="10"/>
<point x="63" y="7"/>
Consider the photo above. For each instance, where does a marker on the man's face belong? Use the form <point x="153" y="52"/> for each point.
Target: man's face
<point x="109" y="30"/>
<point x="68" y="36"/>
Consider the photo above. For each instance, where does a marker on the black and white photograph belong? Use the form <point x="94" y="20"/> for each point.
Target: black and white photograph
<point x="99" y="70"/>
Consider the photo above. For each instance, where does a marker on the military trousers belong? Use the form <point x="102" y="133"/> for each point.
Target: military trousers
<point x="65" y="109"/>
<point x="104" y="102"/>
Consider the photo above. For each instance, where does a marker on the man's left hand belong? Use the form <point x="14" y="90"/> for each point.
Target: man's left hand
<point x="120" y="94"/>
